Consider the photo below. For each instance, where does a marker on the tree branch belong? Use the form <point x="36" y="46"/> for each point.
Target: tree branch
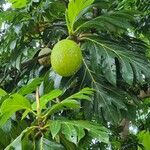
<point x="31" y="61"/>
<point x="125" y="125"/>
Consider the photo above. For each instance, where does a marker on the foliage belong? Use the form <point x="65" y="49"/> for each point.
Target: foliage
<point x="115" y="43"/>
<point x="70" y="131"/>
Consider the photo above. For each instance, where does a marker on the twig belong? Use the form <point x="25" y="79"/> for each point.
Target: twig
<point x="38" y="103"/>
<point x="144" y="94"/>
<point x="125" y="132"/>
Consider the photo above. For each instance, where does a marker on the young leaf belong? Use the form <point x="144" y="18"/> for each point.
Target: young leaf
<point x="46" y="98"/>
<point x="75" y="7"/>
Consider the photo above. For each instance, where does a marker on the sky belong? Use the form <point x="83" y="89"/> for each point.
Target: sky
<point x="6" y="6"/>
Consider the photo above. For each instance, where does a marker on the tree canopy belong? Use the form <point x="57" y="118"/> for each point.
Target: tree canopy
<point x="104" y="105"/>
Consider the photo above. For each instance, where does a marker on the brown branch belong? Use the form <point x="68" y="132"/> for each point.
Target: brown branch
<point x="96" y="12"/>
<point x="144" y="94"/>
<point x="125" y="125"/>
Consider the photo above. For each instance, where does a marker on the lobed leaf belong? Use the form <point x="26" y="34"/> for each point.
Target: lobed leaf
<point x="74" y="131"/>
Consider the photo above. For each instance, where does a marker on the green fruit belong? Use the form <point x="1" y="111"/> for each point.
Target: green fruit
<point x="66" y="58"/>
<point x="45" y="61"/>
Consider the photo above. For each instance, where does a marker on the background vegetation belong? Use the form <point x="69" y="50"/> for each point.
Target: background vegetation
<point x="105" y="105"/>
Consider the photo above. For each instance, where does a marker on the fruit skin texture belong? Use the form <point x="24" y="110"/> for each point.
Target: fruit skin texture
<point x="66" y="58"/>
<point x="45" y="61"/>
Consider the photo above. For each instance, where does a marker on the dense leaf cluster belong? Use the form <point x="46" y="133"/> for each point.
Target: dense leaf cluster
<point x="114" y="36"/>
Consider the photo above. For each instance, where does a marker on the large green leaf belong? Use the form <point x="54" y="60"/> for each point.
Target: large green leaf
<point x="14" y="103"/>
<point x="74" y="131"/>
<point x="75" y="7"/>
<point x="109" y="100"/>
<point x="133" y="65"/>
<point x="108" y="22"/>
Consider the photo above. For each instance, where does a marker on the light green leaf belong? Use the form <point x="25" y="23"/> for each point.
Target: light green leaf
<point x="2" y="92"/>
<point x="14" y="103"/>
<point x="7" y="16"/>
<point x="55" y="127"/>
<point x="75" y="7"/>
<point x="144" y="138"/>
<point x="25" y="114"/>
<point x="18" y="3"/>
<point x="46" y="98"/>
<point x="30" y="87"/>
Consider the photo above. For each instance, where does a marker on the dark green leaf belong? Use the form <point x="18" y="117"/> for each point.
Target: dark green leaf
<point x="45" y="144"/>
<point x="55" y="127"/>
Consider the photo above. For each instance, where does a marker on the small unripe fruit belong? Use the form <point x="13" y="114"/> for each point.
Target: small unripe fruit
<point x="66" y="58"/>
<point x="45" y="61"/>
